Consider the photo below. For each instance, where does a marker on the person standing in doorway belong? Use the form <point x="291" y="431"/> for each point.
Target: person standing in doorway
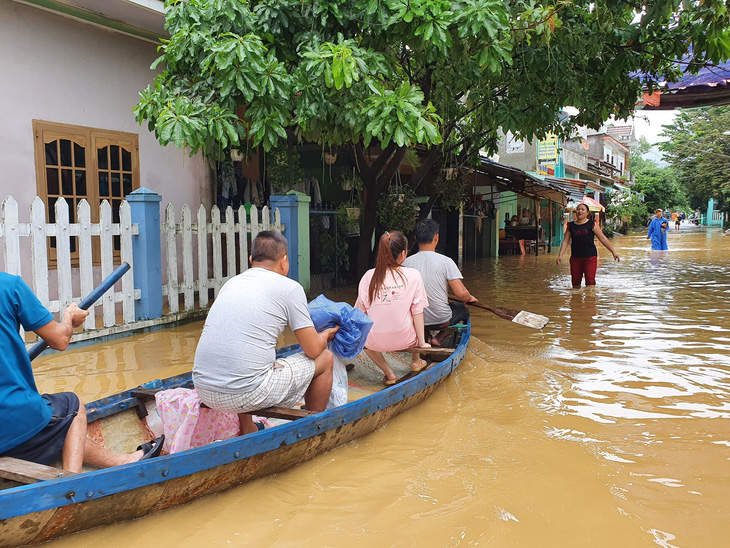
<point x="657" y="232"/>
<point x="580" y="235"/>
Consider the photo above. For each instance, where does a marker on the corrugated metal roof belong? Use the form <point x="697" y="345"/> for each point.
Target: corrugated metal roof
<point x="709" y="87"/>
<point x="619" y="130"/>
<point x="521" y="182"/>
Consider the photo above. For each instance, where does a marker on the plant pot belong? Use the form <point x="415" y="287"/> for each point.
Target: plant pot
<point x="329" y="159"/>
<point x="353" y="213"/>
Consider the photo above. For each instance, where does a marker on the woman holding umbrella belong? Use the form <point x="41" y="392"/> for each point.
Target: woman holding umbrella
<point x="580" y="235"/>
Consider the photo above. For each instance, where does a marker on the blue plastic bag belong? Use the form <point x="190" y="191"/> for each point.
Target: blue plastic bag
<point x="354" y="325"/>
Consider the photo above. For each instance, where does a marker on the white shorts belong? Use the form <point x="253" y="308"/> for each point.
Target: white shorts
<point x="284" y="385"/>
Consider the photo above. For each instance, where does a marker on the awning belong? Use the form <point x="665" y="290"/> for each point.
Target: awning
<point x="573" y="188"/>
<point x="515" y="180"/>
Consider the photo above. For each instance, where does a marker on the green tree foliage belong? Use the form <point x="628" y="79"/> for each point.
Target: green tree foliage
<point x="445" y="74"/>
<point x="699" y="151"/>
<point x="626" y="210"/>
<point x="659" y="185"/>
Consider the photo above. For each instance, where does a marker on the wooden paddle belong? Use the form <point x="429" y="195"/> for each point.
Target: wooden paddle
<point x="522" y="317"/>
<point x="94" y="296"/>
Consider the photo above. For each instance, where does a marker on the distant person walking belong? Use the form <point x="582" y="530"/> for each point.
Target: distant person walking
<point x="657" y="232"/>
<point x="583" y="253"/>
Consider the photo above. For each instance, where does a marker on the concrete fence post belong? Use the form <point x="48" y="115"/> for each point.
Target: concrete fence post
<point x="294" y="209"/>
<point x="147" y="252"/>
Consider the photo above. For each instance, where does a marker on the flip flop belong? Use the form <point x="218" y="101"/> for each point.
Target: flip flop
<point x="152" y="449"/>
<point x="423" y="366"/>
<point x="389" y="382"/>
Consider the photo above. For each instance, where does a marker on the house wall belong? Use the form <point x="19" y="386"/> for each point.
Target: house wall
<point x="60" y="70"/>
<point x="574" y="159"/>
<point x="525" y="159"/>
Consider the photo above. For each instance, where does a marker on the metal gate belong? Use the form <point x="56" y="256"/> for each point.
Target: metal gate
<point x="333" y="246"/>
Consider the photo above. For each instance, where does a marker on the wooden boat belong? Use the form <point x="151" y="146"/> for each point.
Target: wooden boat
<point x="58" y="503"/>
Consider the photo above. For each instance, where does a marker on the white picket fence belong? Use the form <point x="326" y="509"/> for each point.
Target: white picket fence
<point x="227" y="249"/>
<point x="217" y="244"/>
<point x="39" y="231"/>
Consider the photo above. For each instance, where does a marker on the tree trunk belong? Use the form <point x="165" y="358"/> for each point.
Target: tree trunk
<point x="375" y="177"/>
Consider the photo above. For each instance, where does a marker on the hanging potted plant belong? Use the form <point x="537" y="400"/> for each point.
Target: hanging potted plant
<point x="352" y="183"/>
<point x="451" y="189"/>
<point x="398" y="209"/>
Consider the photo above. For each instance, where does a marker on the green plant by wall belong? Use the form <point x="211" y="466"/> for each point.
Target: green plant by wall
<point x="279" y="172"/>
<point x="398" y="209"/>
<point x="335" y="248"/>
<point x="411" y="159"/>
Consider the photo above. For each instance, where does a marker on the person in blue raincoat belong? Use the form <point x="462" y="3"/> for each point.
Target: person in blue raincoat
<point x="658" y="231"/>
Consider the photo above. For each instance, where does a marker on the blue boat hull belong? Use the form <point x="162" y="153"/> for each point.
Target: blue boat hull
<point x="43" y="511"/>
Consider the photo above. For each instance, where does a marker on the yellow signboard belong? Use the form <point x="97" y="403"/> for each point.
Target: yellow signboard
<point x="547" y="149"/>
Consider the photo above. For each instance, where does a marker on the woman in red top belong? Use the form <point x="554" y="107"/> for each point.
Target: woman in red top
<point x="583" y="252"/>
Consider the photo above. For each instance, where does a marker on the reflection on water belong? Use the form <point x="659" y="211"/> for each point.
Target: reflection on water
<point x="607" y="428"/>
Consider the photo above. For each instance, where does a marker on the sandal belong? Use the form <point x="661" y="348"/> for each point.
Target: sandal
<point x="389" y="382"/>
<point x="421" y="367"/>
<point x="152" y="448"/>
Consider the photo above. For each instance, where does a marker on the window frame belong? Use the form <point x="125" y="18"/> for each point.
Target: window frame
<point x="90" y="138"/>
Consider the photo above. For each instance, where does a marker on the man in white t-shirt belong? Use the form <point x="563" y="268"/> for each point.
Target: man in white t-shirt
<point x="236" y="368"/>
<point x="440" y="274"/>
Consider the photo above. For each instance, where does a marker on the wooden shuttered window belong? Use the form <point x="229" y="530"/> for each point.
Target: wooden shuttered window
<point x="78" y="163"/>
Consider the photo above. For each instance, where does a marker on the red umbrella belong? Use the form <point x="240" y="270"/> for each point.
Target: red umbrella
<point x="592" y="204"/>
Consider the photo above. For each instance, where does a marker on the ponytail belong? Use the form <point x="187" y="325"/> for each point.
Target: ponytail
<point x="391" y="245"/>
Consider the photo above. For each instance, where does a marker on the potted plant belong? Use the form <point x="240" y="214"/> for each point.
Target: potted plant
<point x="352" y="183"/>
<point x="451" y="188"/>
<point x="398" y="209"/>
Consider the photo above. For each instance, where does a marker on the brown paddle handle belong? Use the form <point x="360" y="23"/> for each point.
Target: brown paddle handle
<point x="504" y="313"/>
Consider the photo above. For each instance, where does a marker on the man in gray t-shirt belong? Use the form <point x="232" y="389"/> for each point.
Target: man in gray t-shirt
<point x="440" y="274"/>
<point x="235" y="366"/>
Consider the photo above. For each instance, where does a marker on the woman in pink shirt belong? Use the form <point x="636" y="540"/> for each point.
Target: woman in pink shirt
<point x="394" y="297"/>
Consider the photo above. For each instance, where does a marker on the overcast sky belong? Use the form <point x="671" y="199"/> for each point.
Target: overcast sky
<point x="649" y="123"/>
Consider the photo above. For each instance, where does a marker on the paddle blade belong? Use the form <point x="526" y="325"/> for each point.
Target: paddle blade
<point x="529" y="319"/>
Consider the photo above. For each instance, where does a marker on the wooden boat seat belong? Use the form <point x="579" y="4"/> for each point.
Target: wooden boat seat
<point x="286" y="413"/>
<point x="290" y="414"/>
<point x="23" y="471"/>
<point x="436" y="350"/>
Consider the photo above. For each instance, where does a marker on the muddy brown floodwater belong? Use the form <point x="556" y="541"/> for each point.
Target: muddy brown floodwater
<point x="608" y="428"/>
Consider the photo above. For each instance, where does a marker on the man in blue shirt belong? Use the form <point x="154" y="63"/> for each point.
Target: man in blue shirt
<point x="42" y="428"/>
<point x="657" y="232"/>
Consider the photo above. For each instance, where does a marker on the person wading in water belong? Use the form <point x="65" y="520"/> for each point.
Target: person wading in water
<point x="583" y="253"/>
